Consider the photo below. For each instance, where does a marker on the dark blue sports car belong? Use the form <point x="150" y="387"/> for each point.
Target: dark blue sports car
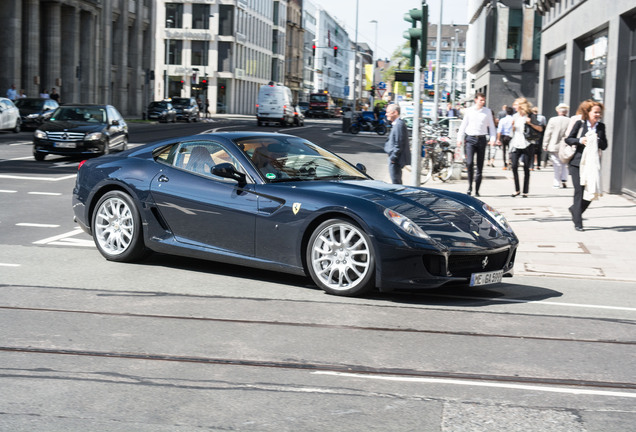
<point x="281" y="203"/>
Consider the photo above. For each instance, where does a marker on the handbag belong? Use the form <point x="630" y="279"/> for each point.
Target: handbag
<point x="566" y="151"/>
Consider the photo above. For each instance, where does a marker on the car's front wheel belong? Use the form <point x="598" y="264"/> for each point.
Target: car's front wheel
<point x="117" y="228"/>
<point x="340" y="258"/>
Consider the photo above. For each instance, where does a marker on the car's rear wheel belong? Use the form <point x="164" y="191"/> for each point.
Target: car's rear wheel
<point x="117" y="228"/>
<point x="18" y="125"/>
<point x="340" y="258"/>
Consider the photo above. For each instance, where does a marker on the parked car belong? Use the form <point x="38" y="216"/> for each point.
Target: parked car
<point x="278" y="202"/>
<point x="187" y="108"/>
<point x="162" y="111"/>
<point x="299" y="117"/>
<point x="304" y="106"/>
<point x="33" y="111"/>
<point x="9" y="116"/>
<point x="81" y="130"/>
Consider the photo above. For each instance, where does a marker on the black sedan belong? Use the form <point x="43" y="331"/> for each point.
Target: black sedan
<point x="279" y="202"/>
<point x="162" y="111"/>
<point x="81" y="130"/>
<point x="34" y="111"/>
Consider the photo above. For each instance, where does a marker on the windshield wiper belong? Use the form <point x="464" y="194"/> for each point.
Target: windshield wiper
<point x="340" y="177"/>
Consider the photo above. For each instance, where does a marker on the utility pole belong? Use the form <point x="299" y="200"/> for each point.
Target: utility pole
<point x="437" y="62"/>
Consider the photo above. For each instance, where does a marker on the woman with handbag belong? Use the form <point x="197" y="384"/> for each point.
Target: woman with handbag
<point x="525" y="129"/>
<point x="584" y="166"/>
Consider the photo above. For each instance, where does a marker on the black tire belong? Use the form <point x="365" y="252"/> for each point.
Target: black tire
<point x="340" y="258"/>
<point x="380" y="129"/>
<point x="116" y="227"/>
<point x="106" y="148"/>
<point x="38" y="156"/>
<point x="446" y="165"/>
<point x="18" y="125"/>
<point x="354" y="129"/>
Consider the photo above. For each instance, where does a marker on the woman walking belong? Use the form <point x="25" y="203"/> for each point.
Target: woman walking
<point x="521" y="149"/>
<point x="588" y="136"/>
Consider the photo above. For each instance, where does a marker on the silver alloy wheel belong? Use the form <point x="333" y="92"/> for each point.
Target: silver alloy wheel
<point x="341" y="256"/>
<point x="114" y="226"/>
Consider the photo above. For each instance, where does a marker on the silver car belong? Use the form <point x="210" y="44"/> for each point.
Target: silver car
<point x="9" y="116"/>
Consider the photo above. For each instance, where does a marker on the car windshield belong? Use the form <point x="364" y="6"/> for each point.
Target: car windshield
<point x="162" y="105"/>
<point x="318" y="98"/>
<point x="180" y="101"/>
<point x="281" y="159"/>
<point x="80" y="114"/>
<point x="34" y="104"/>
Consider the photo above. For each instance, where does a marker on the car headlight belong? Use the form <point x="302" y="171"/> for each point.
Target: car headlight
<point x="95" y="136"/>
<point x="405" y="224"/>
<point x="39" y="134"/>
<point x="501" y="219"/>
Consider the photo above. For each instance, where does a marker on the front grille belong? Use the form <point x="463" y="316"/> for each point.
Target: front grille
<point x="65" y="136"/>
<point x="464" y="265"/>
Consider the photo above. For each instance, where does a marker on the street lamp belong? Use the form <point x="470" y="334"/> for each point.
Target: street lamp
<point x="376" y="56"/>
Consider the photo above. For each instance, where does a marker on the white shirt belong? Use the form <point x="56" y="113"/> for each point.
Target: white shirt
<point x="477" y="122"/>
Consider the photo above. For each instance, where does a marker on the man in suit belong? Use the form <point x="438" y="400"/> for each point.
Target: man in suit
<point x="397" y="146"/>
<point x="554" y="133"/>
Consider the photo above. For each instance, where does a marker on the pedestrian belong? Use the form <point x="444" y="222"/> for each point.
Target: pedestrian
<point x="12" y="93"/>
<point x="538" y="144"/>
<point x="22" y="94"/>
<point x="44" y="94"/>
<point x="397" y="146"/>
<point x="554" y="133"/>
<point x="588" y="136"/>
<point x="504" y="133"/>
<point x="376" y="112"/>
<point x="504" y="112"/>
<point x="477" y="123"/>
<point x="451" y="112"/>
<point x="521" y="144"/>
<point x="55" y="95"/>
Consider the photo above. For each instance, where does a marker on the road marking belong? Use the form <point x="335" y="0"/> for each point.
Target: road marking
<point x="35" y="225"/>
<point x="15" y="177"/>
<point x="15" y="159"/>
<point x="21" y="143"/>
<point x="45" y="193"/>
<point x="629" y="309"/>
<point x="67" y="240"/>
<point x="7" y="191"/>
<point x="9" y="265"/>
<point x="451" y="381"/>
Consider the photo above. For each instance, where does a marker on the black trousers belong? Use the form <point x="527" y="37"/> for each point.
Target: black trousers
<point x="475" y="145"/>
<point x="579" y="205"/>
<point x="505" y="142"/>
<point x="522" y="155"/>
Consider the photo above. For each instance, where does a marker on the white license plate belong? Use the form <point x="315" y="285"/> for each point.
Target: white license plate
<point x="65" y="145"/>
<point x="487" y="278"/>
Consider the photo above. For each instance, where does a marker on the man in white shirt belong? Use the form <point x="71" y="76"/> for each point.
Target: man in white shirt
<point x="477" y="123"/>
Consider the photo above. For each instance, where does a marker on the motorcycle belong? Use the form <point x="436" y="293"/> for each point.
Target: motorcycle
<point x="364" y="124"/>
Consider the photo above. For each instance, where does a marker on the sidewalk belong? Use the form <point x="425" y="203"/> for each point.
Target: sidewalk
<point x="549" y="245"/>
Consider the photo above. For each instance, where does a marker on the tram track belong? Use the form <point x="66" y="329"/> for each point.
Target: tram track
<point x="324" y="326"/>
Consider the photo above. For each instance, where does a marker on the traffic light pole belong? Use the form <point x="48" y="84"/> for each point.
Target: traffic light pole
<point x="416" y="144"/>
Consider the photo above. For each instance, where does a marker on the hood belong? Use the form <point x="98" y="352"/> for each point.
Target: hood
<point x="448" y="216"/>
<point x="71" y="126"/>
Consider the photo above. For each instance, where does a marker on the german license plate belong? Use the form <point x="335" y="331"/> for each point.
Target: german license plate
<point x="65" y="145"/>
<point x="486" y="278"/>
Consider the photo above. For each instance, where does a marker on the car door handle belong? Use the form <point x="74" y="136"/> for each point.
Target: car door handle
<point x="163" y="179"/>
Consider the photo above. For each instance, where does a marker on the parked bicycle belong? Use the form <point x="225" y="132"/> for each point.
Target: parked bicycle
<point x="437" y="158"/>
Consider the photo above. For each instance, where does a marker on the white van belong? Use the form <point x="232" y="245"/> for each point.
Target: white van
<point x="274" y="105"/>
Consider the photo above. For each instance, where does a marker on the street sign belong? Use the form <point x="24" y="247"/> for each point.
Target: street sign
<point x="382" y="85"/>
<point x="380" y="92"/>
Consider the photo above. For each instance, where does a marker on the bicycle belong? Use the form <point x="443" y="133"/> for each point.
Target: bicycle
<point x="437" y="159"/>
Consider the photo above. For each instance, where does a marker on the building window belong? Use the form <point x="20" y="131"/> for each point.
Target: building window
<point x="174" y="15"/>
<point x="201" y="16"/>
<point x="515" y="20"/>
<point x="593" y="64"/>
<point x="225" y="57"/>
<point x="226" y="20"/>
<point x="174" y="51"/>
<point x="200" y="53"/>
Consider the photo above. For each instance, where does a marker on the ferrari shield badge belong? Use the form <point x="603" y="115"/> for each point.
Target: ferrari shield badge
<point x="296" y="207"/>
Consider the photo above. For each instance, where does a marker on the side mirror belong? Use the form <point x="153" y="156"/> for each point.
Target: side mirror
<point x="227" y="170"/>
<point x="361" y="168"/>
<point x="115" y="123"/>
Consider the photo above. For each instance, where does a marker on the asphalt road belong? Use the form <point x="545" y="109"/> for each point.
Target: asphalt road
<point x="172" y="344"/>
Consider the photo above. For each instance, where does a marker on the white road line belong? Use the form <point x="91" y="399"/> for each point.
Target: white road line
<point x="66" y="240"/>
<point x="45" y="193"/>
<point x="35" y="225"/>
<point x="629" y="309"/>
<point x="15" y="177"/>
<point x="15" y="159"/>
<point x="21" y="143"/>
<point x="450" y="381"/>
<point x="7" y="191"/>
<point x="9" y="265"/>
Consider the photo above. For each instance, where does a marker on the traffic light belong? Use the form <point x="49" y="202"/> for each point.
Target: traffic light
<point x="204" y="83"/>
<point x="313" y="50"/>
<point x="335" y="51"/>
<point x="372" y="91"/>
<point x="416" y="36"/>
